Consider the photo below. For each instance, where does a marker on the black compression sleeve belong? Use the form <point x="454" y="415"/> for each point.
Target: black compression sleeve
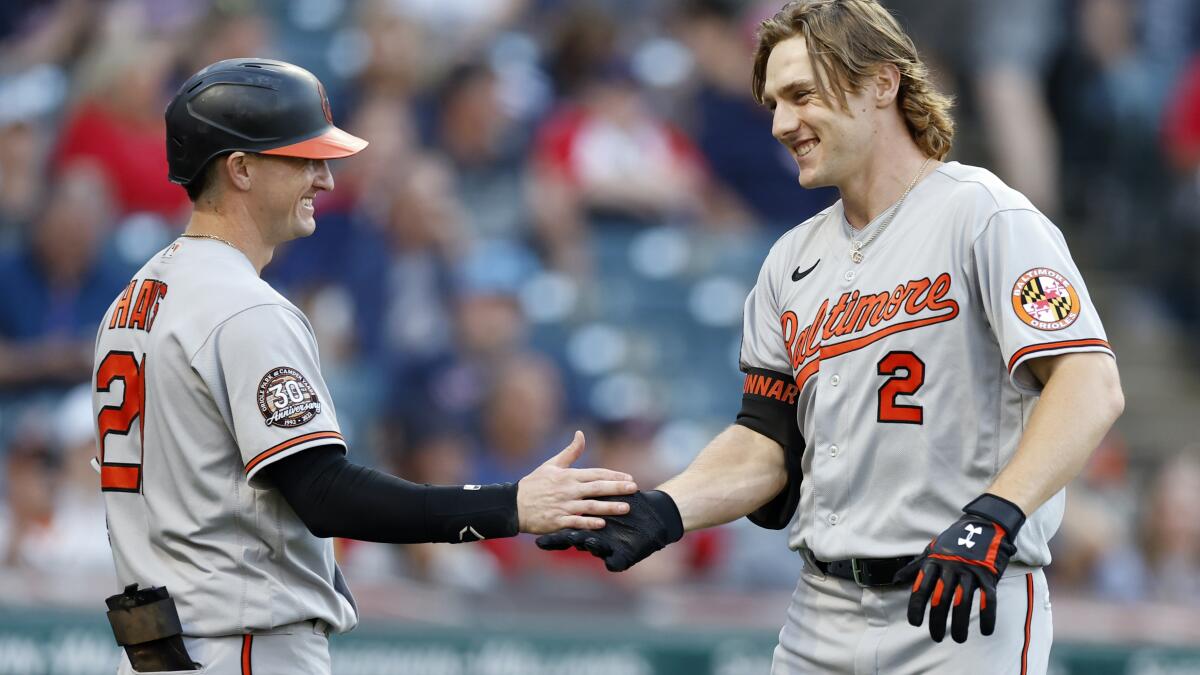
<point x="336" y="498"/>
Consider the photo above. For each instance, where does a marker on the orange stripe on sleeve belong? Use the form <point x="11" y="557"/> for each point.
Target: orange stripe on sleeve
<point x="274" y="450"/>
<point x="1047" y="346"/>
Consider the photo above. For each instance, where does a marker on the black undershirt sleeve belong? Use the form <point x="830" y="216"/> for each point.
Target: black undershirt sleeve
<point x="337" y="498"/>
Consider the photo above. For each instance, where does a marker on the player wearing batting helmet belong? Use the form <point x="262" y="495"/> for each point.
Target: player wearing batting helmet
<point x="221" y="460"/>
<point x="925" y="371"/>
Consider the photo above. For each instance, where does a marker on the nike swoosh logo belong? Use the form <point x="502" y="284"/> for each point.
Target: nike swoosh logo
<point x="798" y="275"/>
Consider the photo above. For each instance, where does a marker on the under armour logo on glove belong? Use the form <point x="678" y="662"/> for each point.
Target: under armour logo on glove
<point x="946" y="575"/>
<point x="971" y="532"/>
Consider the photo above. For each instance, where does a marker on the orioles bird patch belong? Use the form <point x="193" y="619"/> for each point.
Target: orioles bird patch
<point x="1045" y="299"/>
<point x="286" y="399"/>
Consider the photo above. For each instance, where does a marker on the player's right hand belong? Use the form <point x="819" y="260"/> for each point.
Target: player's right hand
<point x="653" y="522"/>
<point x="554" y="496"/>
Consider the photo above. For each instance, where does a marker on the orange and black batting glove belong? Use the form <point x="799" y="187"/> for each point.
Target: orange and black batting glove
<point x="970" y="555"/>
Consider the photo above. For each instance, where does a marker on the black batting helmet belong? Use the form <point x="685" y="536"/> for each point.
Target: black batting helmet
<point x="251" y="105"/>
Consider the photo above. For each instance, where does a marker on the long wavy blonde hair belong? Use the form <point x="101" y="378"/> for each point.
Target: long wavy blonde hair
<point x="847" y="40"/>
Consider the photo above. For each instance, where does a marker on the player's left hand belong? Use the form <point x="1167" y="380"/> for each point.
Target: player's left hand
<point x="971" y="555"/>
<point x="653" y="522"/>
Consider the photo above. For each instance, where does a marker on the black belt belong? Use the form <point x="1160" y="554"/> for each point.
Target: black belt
<point x="864" y="571"/>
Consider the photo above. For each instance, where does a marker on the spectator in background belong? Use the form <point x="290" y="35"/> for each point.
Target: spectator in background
<point x="522" y="416"/>
<point x="1112" y="91"/>
<point x="398" y="60"/>
<point x="489" y="328"/>
<point x="30" y="468"/>
<point x="33" y="33"/>
<point x="59" y="285"/>
<point x="609" y="158"/>
<point x="55" y="515"/>
<point x="1165" y="565"/>
<point x="583" y="37"/>
<point x="486" y="149"/>
<point x="226" y="31"/>
<point x="460" y="26"/>
<point x="118" y="122"/>
<point x="406" y="297"/>
<point x="1013" y="44"/>
<point x="20" y="174"/>
<point x="1181" y="128"/>
<point x="731" y="130"/>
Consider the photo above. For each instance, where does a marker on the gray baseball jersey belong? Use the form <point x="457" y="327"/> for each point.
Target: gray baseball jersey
<point x="912" y="366"/>
<point x="205" y="375"/>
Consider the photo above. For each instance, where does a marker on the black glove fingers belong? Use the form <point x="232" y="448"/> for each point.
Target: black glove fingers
<point x="617" y="562"/>
<point x="578" y="538"/>
<point x="940" y="602"/>
<point x="922" y="588"/>
<point x="964" y="598"/>
<point x="987" y="609"/>
<point x="555" y="541"/>
<point x="597" y="547"/>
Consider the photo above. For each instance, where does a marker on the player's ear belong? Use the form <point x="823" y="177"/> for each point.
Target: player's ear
<point x="238" y="167"/>
<point x="884" y="84"/>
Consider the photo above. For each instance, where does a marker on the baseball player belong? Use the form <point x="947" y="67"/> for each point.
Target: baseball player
<point x="924" y="353"/>
<point x="220" y="456"/>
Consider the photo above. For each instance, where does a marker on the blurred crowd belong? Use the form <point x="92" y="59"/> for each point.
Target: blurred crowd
<point x="560" y="213"/>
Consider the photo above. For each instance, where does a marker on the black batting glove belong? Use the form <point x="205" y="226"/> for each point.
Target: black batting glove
<point x="653" y="522"/>
<point x="971" y="555"/>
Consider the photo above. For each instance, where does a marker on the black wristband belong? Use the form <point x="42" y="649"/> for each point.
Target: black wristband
<point x="459" y="513"/>
<point x="999" y="510"/>
<point x="667" y="512"/>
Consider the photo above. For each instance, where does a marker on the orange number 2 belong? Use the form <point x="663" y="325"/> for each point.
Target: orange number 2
<point x="118" y="420"/>
<point x="900" y="385"/>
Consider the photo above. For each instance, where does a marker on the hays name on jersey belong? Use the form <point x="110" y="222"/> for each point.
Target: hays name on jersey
<point x="920" y="302"/>
<point x="286" y="399"/>
<point x="138" y="314"/>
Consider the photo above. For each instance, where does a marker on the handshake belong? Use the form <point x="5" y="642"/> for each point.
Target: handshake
<point x="553" y="500"/>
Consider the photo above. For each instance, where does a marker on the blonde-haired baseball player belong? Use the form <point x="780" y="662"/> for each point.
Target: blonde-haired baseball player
<point x="925" y="371"/>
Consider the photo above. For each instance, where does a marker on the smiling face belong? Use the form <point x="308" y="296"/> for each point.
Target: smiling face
<point x="829" y="143"/>
<point x="283" y="192"/>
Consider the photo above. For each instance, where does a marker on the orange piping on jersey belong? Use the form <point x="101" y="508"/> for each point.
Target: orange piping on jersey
<point x="272" y="451"/>
<point x="1046" y="346"/>
<point x="1028" y="622"/>
<point x="247" y="645"/>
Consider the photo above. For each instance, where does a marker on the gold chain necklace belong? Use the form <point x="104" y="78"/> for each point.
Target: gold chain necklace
<point x="214" y="237"/>
<point x="858" y="245"/>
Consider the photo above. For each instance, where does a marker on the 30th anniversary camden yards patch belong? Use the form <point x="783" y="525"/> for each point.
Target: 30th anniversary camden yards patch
<point x="1045" y="299"/>
<point x="286" y="399"/>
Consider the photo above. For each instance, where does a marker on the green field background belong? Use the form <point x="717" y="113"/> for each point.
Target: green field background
<point x="62" y="643"/>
